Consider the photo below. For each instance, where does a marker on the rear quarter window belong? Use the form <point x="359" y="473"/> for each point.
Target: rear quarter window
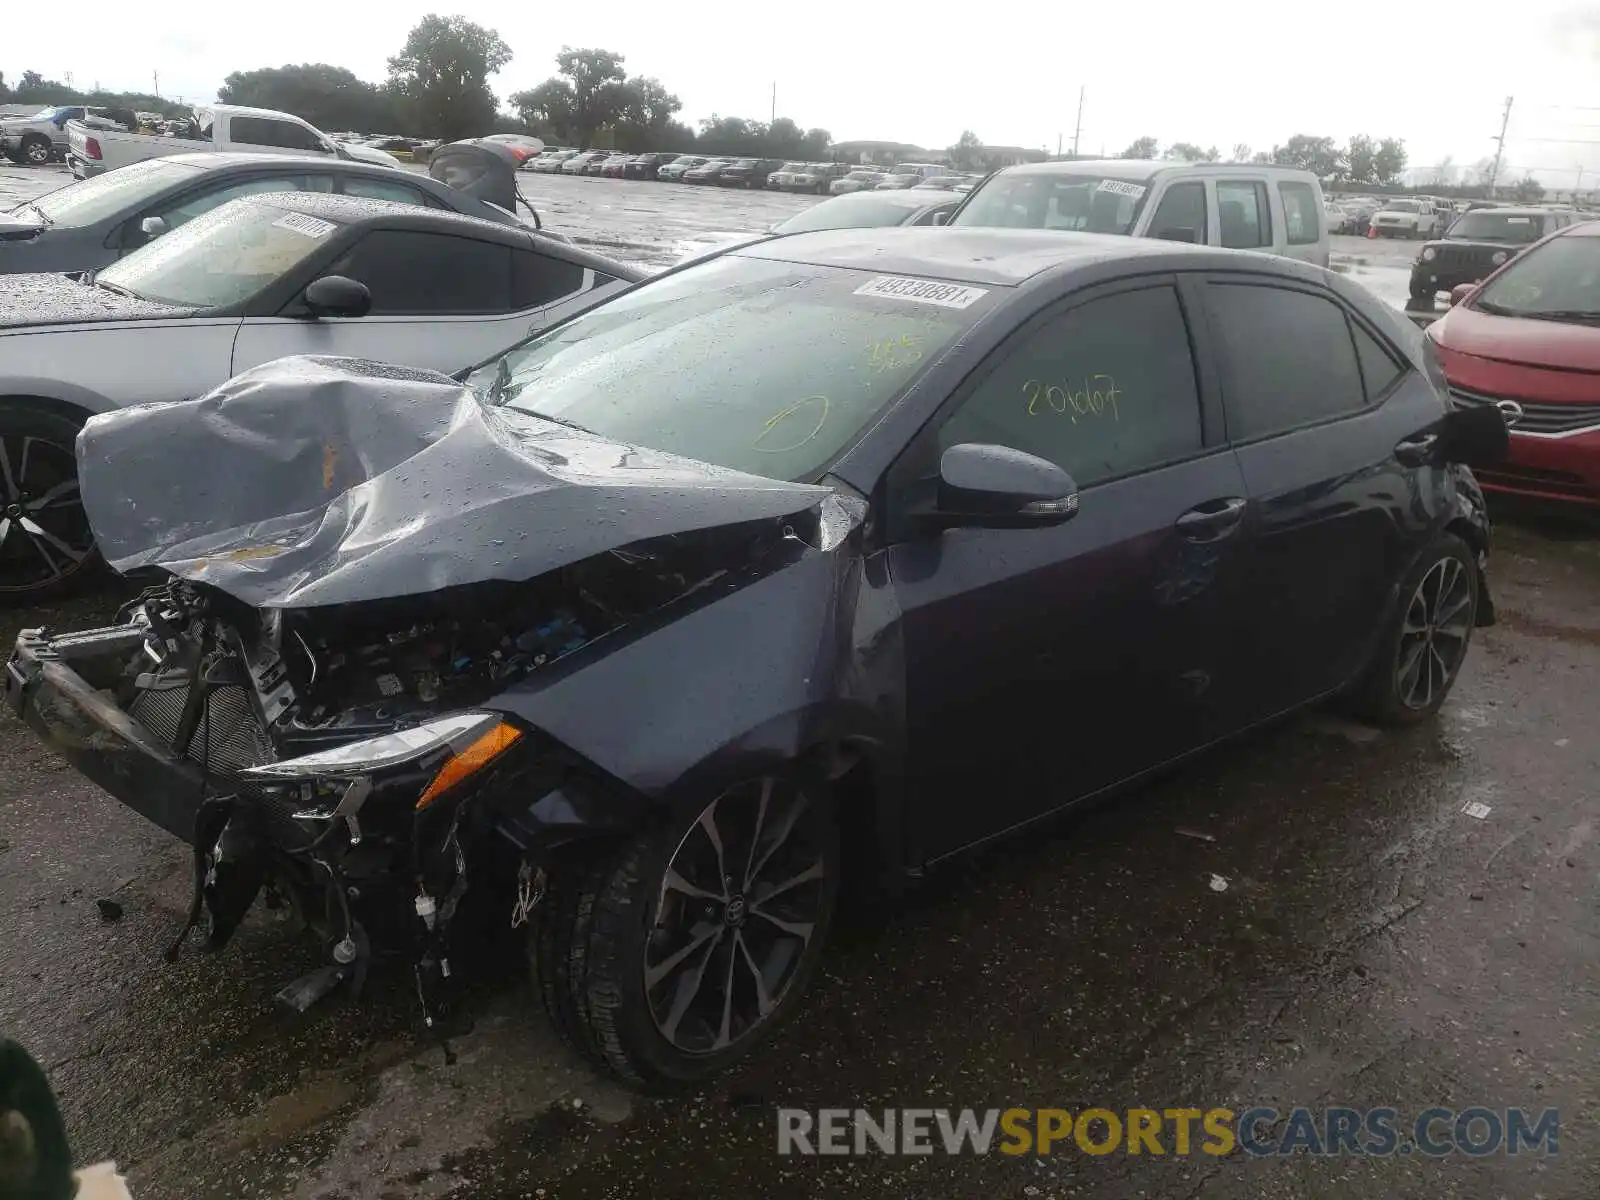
<point x="1300" y="213"/>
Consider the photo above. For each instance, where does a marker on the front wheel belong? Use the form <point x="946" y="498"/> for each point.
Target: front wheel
<point x="1421" y="291"/>
<point x="676" y="955"/>
<point x="36" y="151"/>
<point x="1421" y="652"/>
<point x="46" y="547"/>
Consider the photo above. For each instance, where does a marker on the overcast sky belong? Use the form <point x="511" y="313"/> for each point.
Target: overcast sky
<point x="1249" y="71"/>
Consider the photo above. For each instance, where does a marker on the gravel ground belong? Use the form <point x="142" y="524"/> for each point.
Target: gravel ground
<point x="1374" y="945"/>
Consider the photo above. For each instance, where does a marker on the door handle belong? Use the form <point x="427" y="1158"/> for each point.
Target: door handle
<point x="1417" y="451"/>
<point x="1211" y="521"/>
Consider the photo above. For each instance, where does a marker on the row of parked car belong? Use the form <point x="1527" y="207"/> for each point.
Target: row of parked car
<point x="818" y="178"/>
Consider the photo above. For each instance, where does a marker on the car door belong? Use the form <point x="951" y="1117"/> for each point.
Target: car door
<point x="439" y="301"/>
<point x="1181" y="214"/>
<point x="273" y="136"/>
<point x="1317" y="409"/>
<point x="1244" y="214"/>
<point x="1045" y="664"/>
<point x="178" y="210"/>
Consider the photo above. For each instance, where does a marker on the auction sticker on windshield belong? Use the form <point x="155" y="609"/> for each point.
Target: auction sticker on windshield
<point x="1118" y="187"/>
<point x="310" y="226"/>
<point x="922" y="291"/>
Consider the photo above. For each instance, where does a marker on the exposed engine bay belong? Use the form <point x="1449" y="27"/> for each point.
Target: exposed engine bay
<point x="239" y="692"/>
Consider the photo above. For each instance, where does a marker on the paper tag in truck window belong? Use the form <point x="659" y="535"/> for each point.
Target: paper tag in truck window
<point x="1118" y="188"/>
<point x="310" y="226"/>
<point x="922" y="291"/>
<point x="1517" y="220"/>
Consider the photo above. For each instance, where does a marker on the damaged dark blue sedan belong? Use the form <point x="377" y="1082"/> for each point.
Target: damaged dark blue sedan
<point x="851" y="547"/>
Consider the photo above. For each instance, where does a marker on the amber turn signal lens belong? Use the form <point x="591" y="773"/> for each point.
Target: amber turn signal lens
<point x="474" y="758"/>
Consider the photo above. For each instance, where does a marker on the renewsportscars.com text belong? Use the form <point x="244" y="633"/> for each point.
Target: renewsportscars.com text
<point x="1332" y="1131"/>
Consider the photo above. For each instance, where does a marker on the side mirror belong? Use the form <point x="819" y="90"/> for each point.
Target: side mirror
<point x="1477" y="436"/>
<point x="153" y="227"/>
<point x="338" y="296"/>
<point x="1460" y="292"/>
<point x="941" y="218"/>
<point x="999" y="487"/>
<point x="1177" y="235"/>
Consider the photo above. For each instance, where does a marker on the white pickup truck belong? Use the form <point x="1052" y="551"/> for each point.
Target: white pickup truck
<point x="216" y="127"/>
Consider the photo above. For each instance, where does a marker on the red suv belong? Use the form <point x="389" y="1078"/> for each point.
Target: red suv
<point x="1527" y="340"/>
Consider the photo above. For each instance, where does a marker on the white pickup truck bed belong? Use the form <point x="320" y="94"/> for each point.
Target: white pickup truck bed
<point x="218" y="127"/>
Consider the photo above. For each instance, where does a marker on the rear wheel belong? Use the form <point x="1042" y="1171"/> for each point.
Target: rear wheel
<point x="678" y="954"/>
<point x="1421" y="653"/>
<point x="46" y="548"/>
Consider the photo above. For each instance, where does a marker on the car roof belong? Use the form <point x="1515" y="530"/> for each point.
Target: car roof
<point x="1589" y="227"/>
<point x="1513" y="210"/>
<point x="1002" y="257"/>
<point x="1139" y="168"/>
<point x="356" y="210"/>
<point x="207" y="159"/>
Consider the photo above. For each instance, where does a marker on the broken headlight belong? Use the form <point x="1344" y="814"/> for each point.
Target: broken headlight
<point x="470" y="740"/>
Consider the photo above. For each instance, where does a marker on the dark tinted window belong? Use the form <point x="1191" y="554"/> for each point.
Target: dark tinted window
<point x="262" y="131"/>
<point x="1182" y="208"/>
<point x="369" y="188"/>
<point x="1379" y="371"/>
<point x="1300" y="213"/>
<point x="1243" y="214"/>
<point x="1101" y="390"/>
<point x="409" y="272"/>
<point x="1288" y="358"/>
<point x="539" y="279"/>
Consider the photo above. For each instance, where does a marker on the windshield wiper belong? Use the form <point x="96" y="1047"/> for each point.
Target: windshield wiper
<point x="1497" y="310"/>
<point x="1579" y="315"/>
<point x="43" y="216"/>
<point x="116" y="288"/>
<point x="534" y="412"/>
<point x="502" y="381"/>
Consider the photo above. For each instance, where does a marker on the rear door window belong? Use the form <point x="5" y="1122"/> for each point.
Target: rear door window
<point x="382" y="189"/>
<point x="1243" y="213"/>
<point x="1300" y="213"/>
<point x="1287" y="358"/>
<point x="540" y="279"/>
<point x="1182" y="210"/>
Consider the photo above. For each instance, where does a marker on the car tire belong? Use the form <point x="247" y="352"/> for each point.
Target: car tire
<point x="1420" y="654"/>
<point x="36" y="150"/>
<point x="1422" y="292"/>
<point x="46" y="549"/>
<point x="615" y="946"/>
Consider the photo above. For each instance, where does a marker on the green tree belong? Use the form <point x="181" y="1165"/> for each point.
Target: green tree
<point x="327" y="96"/>
<point x="588" y="93"/>
<point x="645" y="111"/>
<point x="1144" y="147"/>
<point x="1389" y="160"/>
<point x="1318" y="155"/>
<point x="1359" y="160"/>
<point x="443" y="72"/>
<point x="1528" y="189"/>
<point x="967" y="153"/>
<point x="31" y="81"/>
<point x="1189" y="152"/>
<point x="1241" y="152"/>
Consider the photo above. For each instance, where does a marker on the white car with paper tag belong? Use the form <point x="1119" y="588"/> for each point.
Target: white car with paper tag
<point x="1244" y="206"/>
<point x="259" y="278"/>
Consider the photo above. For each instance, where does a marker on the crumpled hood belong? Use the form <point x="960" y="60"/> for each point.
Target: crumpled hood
<point x="314" y="481"/>
<point x="1558" y="345"/>
<point x="24" y="222"/>
<point x="46" y="299"/>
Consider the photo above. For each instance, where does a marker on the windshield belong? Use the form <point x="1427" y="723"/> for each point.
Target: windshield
<point x="45" y="114"/>
<point x="1085" y="203"/>
<point x="1496" y="227"/>
<point x="793" y="167"/>
<point x="771" y="368"/>
<point x="81" y="204"/>
<point x="865" y="175"/>
<point x="1401" y="206"/>
<point x="859" y="210"/>
<point x="1559" y="279"/>
<point x="221" y="258"/>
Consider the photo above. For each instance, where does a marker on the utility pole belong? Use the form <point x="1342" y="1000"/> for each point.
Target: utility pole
<point x="1058" y="145"/>
<point x="1078" y="128"/>
<point x="156" y="76"/>
<point x="1500" y="146"/>
<point x="774" y="102"/>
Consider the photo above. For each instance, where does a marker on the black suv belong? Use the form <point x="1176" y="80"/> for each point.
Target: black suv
<point x="748" y="172"/>
<point x="643" y="166"/>
<point x="1479" y="241"/>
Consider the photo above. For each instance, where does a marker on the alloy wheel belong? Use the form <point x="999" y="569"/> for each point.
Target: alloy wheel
<point x="44" y="532"/>
<point x="1433" y="639"/>
<point x="38" y="153"/>
<point x="740" y="900"/>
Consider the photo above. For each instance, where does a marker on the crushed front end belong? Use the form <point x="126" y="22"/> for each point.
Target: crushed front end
<point x="344" y="762"/>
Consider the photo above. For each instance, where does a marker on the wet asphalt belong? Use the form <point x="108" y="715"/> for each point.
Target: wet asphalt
<point x="1374" y="946"/>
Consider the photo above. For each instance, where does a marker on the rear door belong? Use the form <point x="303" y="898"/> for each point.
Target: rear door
<point x="439" y="301"/>
<point x="1304" y="222"/>
<point x="1043" y="665"/>
<point x="1244" y="212"/>
<point x="1316" y="406"/>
